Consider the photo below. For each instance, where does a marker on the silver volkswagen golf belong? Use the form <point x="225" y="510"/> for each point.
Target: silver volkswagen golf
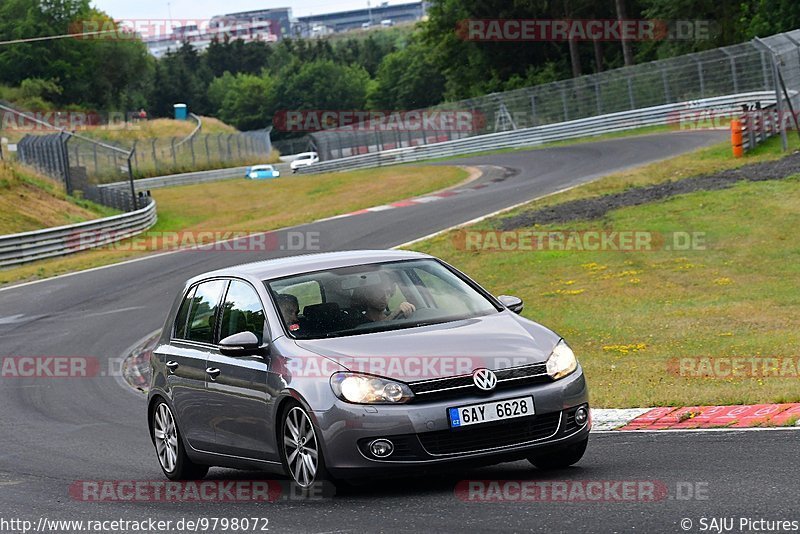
<point x="339" y="365"/>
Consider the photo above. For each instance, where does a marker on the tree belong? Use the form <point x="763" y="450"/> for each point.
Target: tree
<point x="407" y="79"/>
<point x="106" y="71"/>
<point x="244" y="100"/>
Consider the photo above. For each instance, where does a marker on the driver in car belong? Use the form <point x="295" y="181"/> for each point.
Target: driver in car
<point x="373" y="303"/>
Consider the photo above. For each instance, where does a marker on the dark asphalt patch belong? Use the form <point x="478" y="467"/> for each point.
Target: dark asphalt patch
<point x="594" y="208"/>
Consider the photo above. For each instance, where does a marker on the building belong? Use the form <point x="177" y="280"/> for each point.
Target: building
<point x="379" y="15"/>
<point x="201" y="36"/>
<point x="271" y="25"/>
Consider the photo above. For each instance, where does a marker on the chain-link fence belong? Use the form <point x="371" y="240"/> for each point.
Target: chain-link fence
<point x="288" y="147"/>
<point x="784" y="51"/>
<point x="160" y="156"/>
<point x="741" y="68"/>
<point x="82" y="163"/>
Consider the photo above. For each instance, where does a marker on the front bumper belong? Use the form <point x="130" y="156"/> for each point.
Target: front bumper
<point x="422" y="436"/>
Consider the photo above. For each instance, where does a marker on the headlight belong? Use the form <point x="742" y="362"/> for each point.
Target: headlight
<point x="367" y="389"/>
<point x="562" y="361"/>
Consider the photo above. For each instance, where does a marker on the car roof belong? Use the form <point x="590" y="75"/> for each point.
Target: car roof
<point x="264" y="166"/>
<point x="305" y="263"/>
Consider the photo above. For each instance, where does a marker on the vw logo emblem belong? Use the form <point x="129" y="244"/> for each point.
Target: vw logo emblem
<point x="484" y="379"/>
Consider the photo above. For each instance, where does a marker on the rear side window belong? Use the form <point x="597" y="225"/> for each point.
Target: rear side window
<point x="242" y="312"/>
<point x="307" y="293"/>
<point x="202" y="318"/>
<point x="183" y="314"/>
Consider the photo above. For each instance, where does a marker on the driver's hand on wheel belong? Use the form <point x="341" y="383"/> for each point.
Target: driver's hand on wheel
<point x="406" y="309"/>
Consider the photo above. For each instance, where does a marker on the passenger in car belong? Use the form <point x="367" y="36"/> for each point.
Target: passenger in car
<point x="373" y="303"/>
<point x="289" y="308"/>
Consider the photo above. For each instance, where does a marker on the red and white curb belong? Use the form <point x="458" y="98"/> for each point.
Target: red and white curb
<point x="434" y="197"/>
<point x="697" y="417"/>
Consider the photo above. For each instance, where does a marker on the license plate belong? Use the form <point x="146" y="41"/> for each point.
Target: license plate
<point x="490" y="411"/>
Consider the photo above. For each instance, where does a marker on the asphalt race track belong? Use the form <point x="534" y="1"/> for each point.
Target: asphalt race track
<point x="58" y="431"/>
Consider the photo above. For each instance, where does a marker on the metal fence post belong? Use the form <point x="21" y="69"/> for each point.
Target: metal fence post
<point x="133" y="151"/>
<point x="597" y="99"/>
<point x="130" y="177"/>
<point x="700" y="75"/>
<point x="630" y="93"/>
<point x="174" y="155"/>
<point x="94" y="155"/>
<point x="764" y="70"/>
<point x="67" y="173"/>
<point x="155" y="157"/>
<point x="734" y="78"/>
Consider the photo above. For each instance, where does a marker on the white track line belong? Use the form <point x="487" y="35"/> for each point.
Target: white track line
<point x="474" y="175"/>
<point x="484" y="217"/>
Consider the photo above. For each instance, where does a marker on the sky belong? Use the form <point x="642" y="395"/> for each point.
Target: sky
<point x="205" y="9"/>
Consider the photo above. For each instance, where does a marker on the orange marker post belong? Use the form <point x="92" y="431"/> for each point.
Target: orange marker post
<point x="736" y="138"/>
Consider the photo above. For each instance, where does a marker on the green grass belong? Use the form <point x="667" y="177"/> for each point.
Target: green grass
<point x="630" y="315"/>
<point x="257" y="206"/>
<point x="31" y="202"/>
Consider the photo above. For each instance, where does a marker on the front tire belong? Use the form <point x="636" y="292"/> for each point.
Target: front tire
<point x="172" y="457"/>
<point x="561" y="458"/>
<point x="300" y="447"/>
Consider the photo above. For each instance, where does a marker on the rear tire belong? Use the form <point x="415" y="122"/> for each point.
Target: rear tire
<point x="561" y="458"/>
<point x="172" y="457"/>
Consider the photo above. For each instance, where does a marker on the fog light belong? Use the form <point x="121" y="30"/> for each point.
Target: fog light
<point x="381" y="448"/>
<point x="581" y="415"/>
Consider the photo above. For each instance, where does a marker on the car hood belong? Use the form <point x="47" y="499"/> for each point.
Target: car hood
<point x="496" y="341"/>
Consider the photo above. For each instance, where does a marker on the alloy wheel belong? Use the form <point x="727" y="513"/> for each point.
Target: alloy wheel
<point x="300" y="446"/>
<point x="166" y="437"/>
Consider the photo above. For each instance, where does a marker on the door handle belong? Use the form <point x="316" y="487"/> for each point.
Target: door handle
<point x="172" y="365"/>
<point x="213" y="372"/>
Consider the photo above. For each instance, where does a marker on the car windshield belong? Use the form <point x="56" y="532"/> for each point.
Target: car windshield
<point x="374" y="298"/>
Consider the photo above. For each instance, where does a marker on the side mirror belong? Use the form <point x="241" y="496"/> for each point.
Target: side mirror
<point x="514" y="304"/>
<point x="241" y="344"/>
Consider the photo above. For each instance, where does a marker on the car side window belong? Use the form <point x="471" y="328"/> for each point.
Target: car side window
<point x="183" y="314"/>
<point x="242" y="311"/>
<point x="307" y="293"/>
<point x="202" y="318"/>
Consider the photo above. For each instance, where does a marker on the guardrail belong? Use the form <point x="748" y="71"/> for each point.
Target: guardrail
<point x="194" y="132"/>
<point x="754" y="126"/>
<point x="602" y="124"/>
<point x="189" y="178"/>
<point x="16" y="249"/>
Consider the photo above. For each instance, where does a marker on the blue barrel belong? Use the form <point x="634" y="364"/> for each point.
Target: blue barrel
<point x="181" y="112"/>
